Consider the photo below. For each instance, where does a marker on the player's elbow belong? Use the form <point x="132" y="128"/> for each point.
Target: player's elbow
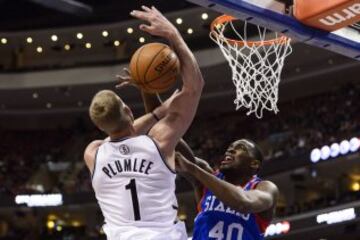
<point x="253" y="206"/>
<point x="195" y="87"/>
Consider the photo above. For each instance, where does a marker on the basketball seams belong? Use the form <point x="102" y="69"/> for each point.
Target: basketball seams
<point x="152" y="61"/>
<point x="170" y="69"/>
<point x="161" y="89"/>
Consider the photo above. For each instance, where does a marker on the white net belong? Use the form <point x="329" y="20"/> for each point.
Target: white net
<point x="256" y="67"/>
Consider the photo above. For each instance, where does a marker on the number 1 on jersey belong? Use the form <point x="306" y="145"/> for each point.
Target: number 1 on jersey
<point x="134" y="197"/>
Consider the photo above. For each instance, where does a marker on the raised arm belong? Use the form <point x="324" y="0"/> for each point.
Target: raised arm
<point x="168" y="131"/>
<point x="261" y="199"/>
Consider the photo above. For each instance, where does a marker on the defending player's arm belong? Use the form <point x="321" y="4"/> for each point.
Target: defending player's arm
<point x="168" y="131"/>
<point x="254" y="201"/>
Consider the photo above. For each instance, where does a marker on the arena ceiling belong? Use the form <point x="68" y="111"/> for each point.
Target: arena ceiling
<point x="24" y="15"/>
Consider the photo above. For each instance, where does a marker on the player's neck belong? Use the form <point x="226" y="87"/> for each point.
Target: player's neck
<point x="128" y="132"/>
<point x="236" y="180"/>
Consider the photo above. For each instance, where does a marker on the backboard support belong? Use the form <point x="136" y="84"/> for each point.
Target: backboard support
<point x="272" y="15"/>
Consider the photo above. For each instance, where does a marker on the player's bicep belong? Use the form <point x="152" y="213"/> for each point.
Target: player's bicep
<point x="168" y="131"/>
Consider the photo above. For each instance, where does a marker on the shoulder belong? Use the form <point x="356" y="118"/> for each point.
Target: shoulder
<point x="90" y="150"/>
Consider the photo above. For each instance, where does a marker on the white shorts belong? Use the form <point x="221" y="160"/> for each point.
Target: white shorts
<point x="175" y="232"/>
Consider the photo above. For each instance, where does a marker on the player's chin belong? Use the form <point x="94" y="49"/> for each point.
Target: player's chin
<point x="224" y="166"/>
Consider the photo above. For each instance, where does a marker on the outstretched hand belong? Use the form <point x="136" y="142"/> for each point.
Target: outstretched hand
<point x="125" y="79"/>
<point x="158" y="24"/>
<point x="182" y="164"/>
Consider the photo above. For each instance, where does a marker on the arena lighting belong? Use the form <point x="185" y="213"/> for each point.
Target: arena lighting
<point x="105" y="33"/>
<point x="344" y="147"/>
<point x="354" y="144"/>
<point x="50" y="224"/>
<point x="75" y="223"/>
<point x="35" y="95"/>
<point x="39" y="49"/>
<point x="179" y="21"/>
<point x="88" y="45"/>
<point x="40" y="200"/>
<point x="130" y="30"/>
<point x="116" y="43"/>
<point x="67" y="47"/>
<point x="315" y="155"/>
<point x="29" y="40"/>
<point x="4" y="41"/>
<point x="355" y="186"/>
<point x="335" y="149"/>
<point x="142" y="39"/>
<point x="325" y="152"/>
<point x="204" y="16"/>
<point x="190" y="31"/>
<point x="48" y="105"/>
<point x="54" y="38"/>
<point x="79" y="35"/>
<point x="336" y="216"/>
<point x="277" y="229"/>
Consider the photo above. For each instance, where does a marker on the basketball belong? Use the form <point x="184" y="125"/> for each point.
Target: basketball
<point x="154" y="67"/>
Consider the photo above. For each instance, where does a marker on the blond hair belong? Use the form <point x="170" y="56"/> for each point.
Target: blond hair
<point x="107" y="112"/>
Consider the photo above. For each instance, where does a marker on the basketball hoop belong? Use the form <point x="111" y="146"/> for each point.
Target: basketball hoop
<point x="256" y="65"/>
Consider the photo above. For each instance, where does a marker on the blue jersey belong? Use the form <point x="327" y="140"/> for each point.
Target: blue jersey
<point x="215" y="221"/>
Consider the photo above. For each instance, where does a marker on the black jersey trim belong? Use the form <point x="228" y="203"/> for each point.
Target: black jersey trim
<point x="161" y="155"/>
<point x="121" y="139"/>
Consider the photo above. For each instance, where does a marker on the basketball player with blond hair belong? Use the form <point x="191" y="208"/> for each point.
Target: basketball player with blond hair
<point x="133" y="175"/>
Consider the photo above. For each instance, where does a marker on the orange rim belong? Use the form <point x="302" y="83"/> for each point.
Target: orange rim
<point x="226" y="18"/>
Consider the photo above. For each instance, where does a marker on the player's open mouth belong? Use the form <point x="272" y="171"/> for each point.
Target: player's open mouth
<point x="227" y="159"/>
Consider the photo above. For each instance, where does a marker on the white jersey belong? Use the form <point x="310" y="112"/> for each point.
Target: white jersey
<point x="135" y="189"/>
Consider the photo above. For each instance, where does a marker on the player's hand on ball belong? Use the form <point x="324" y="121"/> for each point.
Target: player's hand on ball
<point x="182" y="164"/>
<point x="124" y="79"/>
<point x="159" y="25"/>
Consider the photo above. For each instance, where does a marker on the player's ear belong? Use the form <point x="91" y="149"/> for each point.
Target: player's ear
<point x="255" y="164"/>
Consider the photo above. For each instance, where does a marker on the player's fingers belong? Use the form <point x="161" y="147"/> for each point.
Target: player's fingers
<point x="123" y="84"/>
<point x="155" y="9"/>
<point x="123" y="77"/>
<point x="145" y="8"/>
<point x="140" y="15"/>
<point x="159" y="98"/>
<point x="174" y="93"/>
<point x="127" y="71"/>
<point x="146" y="28"/>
